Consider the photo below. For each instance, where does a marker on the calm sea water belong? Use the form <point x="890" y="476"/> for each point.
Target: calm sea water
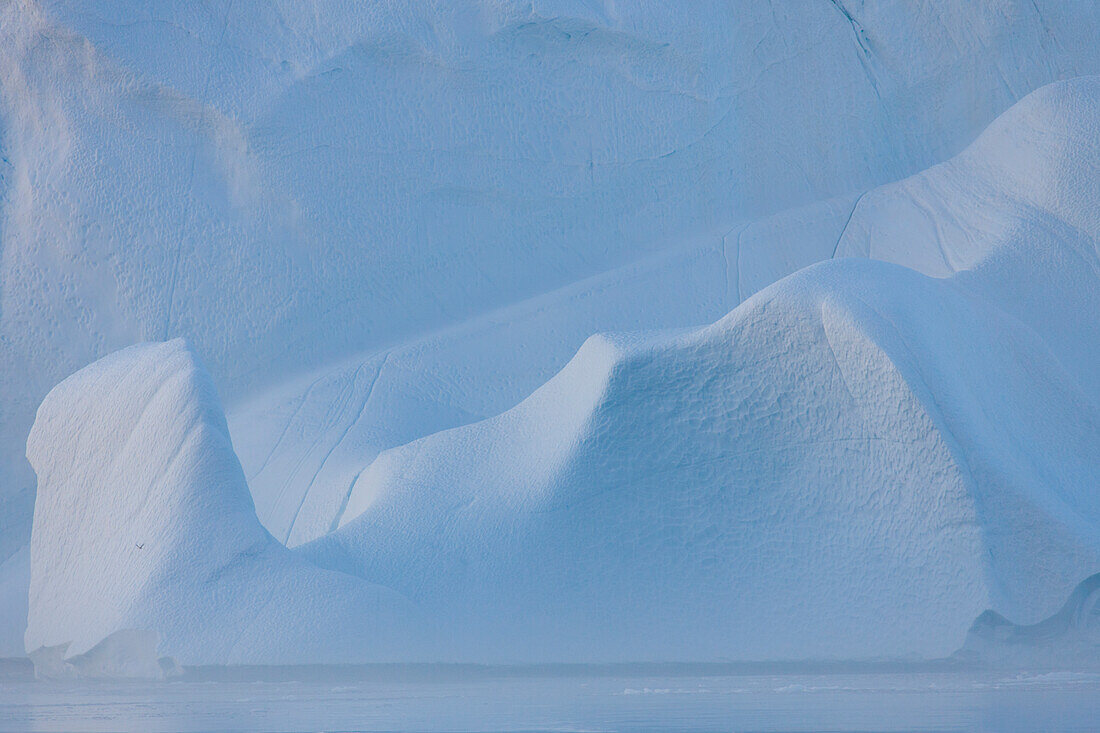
<point x="577" y="700"/>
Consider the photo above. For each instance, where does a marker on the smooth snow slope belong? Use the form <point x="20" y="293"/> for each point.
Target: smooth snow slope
<point x="144" y="530"/>
<point x="304" y="443"/>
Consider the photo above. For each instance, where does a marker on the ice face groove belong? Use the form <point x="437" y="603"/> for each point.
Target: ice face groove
<point x="338" y="517"/>
<point x="166" y="332"/>
<point x="844" y="229"/>
<point x="336" y="444"/>
<point x="282" y="434"/>
<point x="859" y="35"/>
<point x="333" y="411"/>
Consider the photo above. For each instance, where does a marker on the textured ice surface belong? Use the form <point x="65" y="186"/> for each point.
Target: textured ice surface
<point x="288" y="184"/>
<point x="378" y="221"/>
<point x="856" y="462"/>
<point x="146" y="544"/>
<point x="708" y="496"/>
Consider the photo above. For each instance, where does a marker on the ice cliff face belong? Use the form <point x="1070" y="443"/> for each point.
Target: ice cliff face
<point x="856" y="462"/>
<point x="381" y="220"/>
<point x="291" y="183"/>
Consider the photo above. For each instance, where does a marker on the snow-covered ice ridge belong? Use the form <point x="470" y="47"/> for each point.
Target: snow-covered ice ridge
<point x="856" y="462"/>
<point x="143" y="523"/>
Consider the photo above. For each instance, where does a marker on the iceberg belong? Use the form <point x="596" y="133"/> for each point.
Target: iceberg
<point x="1070" y="636"/>
<point x="856" y="462"/>
<point x="145" y="543"/>
<point x="448" y="198"/>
